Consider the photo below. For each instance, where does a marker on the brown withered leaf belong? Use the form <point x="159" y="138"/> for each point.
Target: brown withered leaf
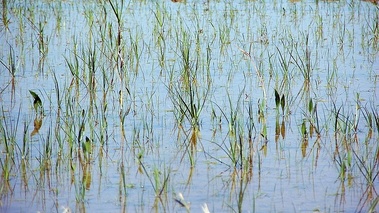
<point x="304" y="146"/>
<point x="37" y="125"/>
<point x="283" y="129"/>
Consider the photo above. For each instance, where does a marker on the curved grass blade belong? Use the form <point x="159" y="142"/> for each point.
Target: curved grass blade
<point x="37" y="103"/>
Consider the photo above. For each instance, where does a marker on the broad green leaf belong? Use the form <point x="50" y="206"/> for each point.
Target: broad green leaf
<point x="37" y="103"/>
<point x="277" y="98"/>
<point x="303" y="129"/>
<point x="283" y="102"/>
<point x="310" y="106"/>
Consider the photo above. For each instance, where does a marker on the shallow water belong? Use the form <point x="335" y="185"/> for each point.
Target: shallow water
<point x="142" y="163"/>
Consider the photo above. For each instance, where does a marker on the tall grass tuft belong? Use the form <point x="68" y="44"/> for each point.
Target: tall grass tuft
<point x="188" y="95"/>
<point x="9" y="130"/>
<point x="11" y="67"/>
<point x="5" y="18"/>
<point x="302" y="60"/>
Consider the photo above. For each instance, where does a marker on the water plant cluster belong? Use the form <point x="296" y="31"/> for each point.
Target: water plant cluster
<point x="211" y="106"/>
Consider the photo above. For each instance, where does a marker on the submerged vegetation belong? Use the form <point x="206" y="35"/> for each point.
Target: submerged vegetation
<point x="214" y="106"/>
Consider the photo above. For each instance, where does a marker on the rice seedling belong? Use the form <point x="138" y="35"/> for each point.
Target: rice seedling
<point x="109" y="92"/>
<point x="123" y="184"/>
<point x="188" y="97"/>
<point x="224" y="36"/>
<point x="243" y="184"/>
<point x="369" y="168"/>
<point x="258" y="73"/>
<point x="238" y="182"/>
<point x="69" y="127"/>
<point x="373" y="205"/>
<point x="11" y="67"/>
<point x="375" y="114"/>
<point x="45" y="157"/>
<point x="284" y="63"/>
<point x="74" y="67"/>
<point x="160" y="31"/>
<point x="43" y="40"/>
<point x="87" y="175"/>
<point x="82" y="177"/>
<point x="5" y="18"/>
<point x="374" y="31"/>
<point x="311" y="116"/>
<point x="234" y="148"/>
<point x="263" y="124"/>
<point x="9" y="128"/>
<point x="280" y="101"/>
<point x="136" y="51"/>
<point x="301" y="60"/>
<point x="241" y="135"/>
<point x="104" y="135"/>
<point x="80" y="191"/>
<point x="158" y="180"/>
<point x="345" y="141"/>
<point x="251" y="135"/>
<point x="81" y="127"/>
<point x="6" y="168"/>
<point x="24" y="173"/>
<point x="117" y="8"/>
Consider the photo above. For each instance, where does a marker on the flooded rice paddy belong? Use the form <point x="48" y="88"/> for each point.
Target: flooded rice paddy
<point x="193" y="106"/>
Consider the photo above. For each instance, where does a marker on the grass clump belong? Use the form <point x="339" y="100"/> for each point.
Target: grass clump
<point x="188" y="95"/>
